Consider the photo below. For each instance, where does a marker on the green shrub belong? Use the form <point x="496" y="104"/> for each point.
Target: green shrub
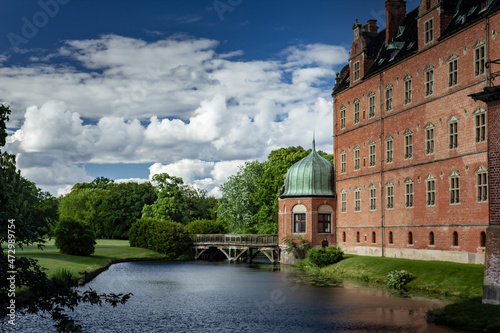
<point x="298" y="245"/>
<point x="64" y="276"/>
<point x="74" y="237"/>
<point x="398" y="279"/>
<point x="205" y="227"/>
<point x="325" y="256"/>
<point x="166" y="237"/>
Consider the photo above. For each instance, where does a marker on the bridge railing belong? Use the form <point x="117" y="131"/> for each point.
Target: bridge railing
<point x="204" y="239"/>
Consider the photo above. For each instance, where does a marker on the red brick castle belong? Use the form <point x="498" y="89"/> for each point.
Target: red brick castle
<point x="410" y="143"/>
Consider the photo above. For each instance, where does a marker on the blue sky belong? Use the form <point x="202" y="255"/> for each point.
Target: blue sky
<point x="126" y="89"/>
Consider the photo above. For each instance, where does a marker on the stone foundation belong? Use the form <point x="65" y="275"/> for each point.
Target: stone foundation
<point x="417" y="254"/>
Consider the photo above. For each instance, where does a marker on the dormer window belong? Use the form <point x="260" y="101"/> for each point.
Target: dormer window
<point x="429" y="31"/>
<point x="356" y="71"/>
<point x="427" y="4"/>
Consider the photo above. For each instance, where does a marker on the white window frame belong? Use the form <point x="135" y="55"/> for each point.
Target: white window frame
<point x="409" y="193"/>
<point x="357" y="157"/>
<point x="408" y="89"/>
<point x="388" y="97"/>
<point x="343" y="161"/>
<point x="430" y="190"/>
<point x="371" y="105"/>
<point x="372" y="149"/>
<point x="429" y="138"/>
<point x="429" y="31"/>
<point x="342" y="117"/>
<point x="356" y="111"/>
<point x="390" y="194"/>
<point x="373" y="197"/>
<point x="357" y="199"/>
<point x="356" y="71"/>
<point x="408" y="142"/>
<point x="452" y="71"/>
<point x="343" y="201"/>
<point x="480" y="121"/>
<point x="454" y="187"/>
<point x="482" y="184"/>
<point x="389" y="149"/>
<point x="453" y="132"/>
<point x="479" y="58"/>
<point x="429" y="80"/>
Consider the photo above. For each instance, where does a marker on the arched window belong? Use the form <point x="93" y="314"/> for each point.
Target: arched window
<point x="391" y="239"/>
<point x="431" y="238"/>
<point x="343" y="237"/>
<point x="410" y="238"/>
<point x="299" y="218"/>
<point x="325" y="219"/>
<point x="374" y="237"/>
<point x="358" y="239"/>
<point x="455" y="238"/>
<point x="483" y="239"/>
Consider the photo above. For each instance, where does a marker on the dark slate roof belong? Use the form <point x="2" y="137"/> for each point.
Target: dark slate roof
<point x="468" y="12"/>
<point x="404" y="44"/>
<point x="344" y="83"/>
<point x="373" y="42"/>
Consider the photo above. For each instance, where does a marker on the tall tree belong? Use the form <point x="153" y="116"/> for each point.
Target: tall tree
<point x="19" y="227"/>
<point x="237" y="206"/>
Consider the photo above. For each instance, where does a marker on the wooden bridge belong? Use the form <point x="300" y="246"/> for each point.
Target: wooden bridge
<point x="237" y="247"/>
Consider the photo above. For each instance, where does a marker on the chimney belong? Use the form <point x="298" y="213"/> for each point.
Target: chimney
<point x="395" y="12"/>
<point x="371" y="26"/>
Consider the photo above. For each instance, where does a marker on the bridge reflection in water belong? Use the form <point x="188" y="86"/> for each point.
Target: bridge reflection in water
<point x="237" y="247"/>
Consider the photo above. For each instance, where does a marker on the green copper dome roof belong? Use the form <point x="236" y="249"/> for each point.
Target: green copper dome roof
<point x="311" y="176"/>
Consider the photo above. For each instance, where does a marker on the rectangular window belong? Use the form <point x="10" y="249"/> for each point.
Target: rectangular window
<point x="372" y="155"/>
<point x="388" y="99"/>
<point x="429" y="141"/>
<point x="324" y="223"/>
<point x="356" y="71"/>
<point x="453" y="133"/>
<point x="356" y="159"/>
<point x="342" y="118"/>
<point x="344" y="202"/>
<point x="357" y="200"/>
<point x="479" y="60"/>
<point x="371" y="112"/>
<point x="389" y="150"/>
<point x="390" y="196"/>
<point x="299" y="223"/>
<point x="481" y="127"/>
<point x="356" y="112"/>
<point x="429" y="31"/>
<point x="343" y="162"/>
<point x="431" y="192"/>
<point x="453" y="73"/>
<point x="454" y="190"/>
<point x="429" y="82"/>
<point x="373" y="198"/>
<point x="408" y="146"/>
<point x="482" y="187"/>
<point x="409" y="195"/>
<point x="408" y="93"/>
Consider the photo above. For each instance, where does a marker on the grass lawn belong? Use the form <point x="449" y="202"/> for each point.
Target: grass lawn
<point x="430" y="277"/>
<point x="105" y="251"/>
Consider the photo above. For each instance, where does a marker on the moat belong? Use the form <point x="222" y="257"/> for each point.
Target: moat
<point x="228" y="297"/>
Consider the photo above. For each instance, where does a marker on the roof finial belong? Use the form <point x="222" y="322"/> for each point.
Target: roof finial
<point x="314" y="140"/>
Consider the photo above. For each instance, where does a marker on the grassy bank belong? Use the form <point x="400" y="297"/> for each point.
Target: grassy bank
<point x="435" y="278"/>
<point x="106" y="251"/>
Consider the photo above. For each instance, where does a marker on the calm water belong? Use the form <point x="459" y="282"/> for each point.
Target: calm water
<point x="237" y="297"/>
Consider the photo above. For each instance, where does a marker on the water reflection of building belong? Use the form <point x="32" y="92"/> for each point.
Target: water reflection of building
<point x="410" y="145"/>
